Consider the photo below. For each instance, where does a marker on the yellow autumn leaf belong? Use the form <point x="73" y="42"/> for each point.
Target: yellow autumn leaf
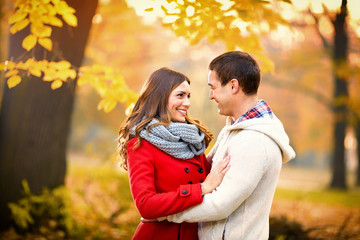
<point x="11" y="73"/>
<point x="2" y="66"/>
<point x="63" y="75"/>
<point x="43" y="64"/>
<point x="35" y="71"/>
<point x="35" y="16"/>
<point x="62" y="8"/>
<point x="20" y="14"/>
<point x="29" y="61"/>
<point x="84" y="79"/>
<point x="22" y="66"/>
<point x="29" y="42"/>
<point x="84" y="69"/>
<point x="13" y="81"/>
<point x="41" y="9"/>
<point x="107" y="105"/>
<point x="55" y="21"/>
<point x="20" y="25"/>
<point x="50" y="9"/>
<point x="101" y="104"/>
<point x="62" y="64"/>
<point x="48" y="78"/>
<point x="72" y="73"/>
<point x="266" y="64"/>
<point x="56" y="84"/>
<point x="70" y="19"/>
<point x="49" y="74"/>
<point x="9" y="65"/>
<point x="46" y="43"/>
<point x="40" y="30"/>
<point x="67" y="73"/>
<point x="45" y="19"/>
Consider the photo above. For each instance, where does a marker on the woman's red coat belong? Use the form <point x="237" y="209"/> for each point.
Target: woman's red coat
<point x="162" y="185"/>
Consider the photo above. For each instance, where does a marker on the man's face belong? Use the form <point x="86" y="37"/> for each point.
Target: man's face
<point x="220" y="94"/>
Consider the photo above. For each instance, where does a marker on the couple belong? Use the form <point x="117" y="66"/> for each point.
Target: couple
<point x="174" y="185"/>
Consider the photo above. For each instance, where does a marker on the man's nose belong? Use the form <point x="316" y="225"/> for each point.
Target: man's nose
<point x="211" y="94"/>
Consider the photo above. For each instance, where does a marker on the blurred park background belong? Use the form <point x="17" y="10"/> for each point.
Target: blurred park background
<point x="58" y="142"/>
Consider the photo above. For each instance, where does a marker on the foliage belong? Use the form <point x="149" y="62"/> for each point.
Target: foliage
<point x="238" y="24"/>
<point x="55" y="72"/>
<point x="110" y="85"/>
<point x="332" y="197"/>
<point x="46" y="212"/>
<point x="283" y="229"/>
<point x="102" y="207"/>
<point x="41" y="16"/>
<point x="102" y="201"/>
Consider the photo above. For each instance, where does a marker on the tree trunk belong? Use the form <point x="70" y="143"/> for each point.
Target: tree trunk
<point x="357" y="132"/>
<point x="35" y="120"/>
<point x="341" y="90"/>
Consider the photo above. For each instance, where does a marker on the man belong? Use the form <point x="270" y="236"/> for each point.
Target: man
<point x="257" y="144"/>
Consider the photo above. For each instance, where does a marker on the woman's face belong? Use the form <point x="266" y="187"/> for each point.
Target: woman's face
<point x="179" y="103"/>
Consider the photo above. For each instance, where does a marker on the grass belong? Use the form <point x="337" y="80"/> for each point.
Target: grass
<point x="102" y="202"/>
<point x="330" y="197"/>
<point x="311" y="185"/>
<point x="102" y="205"/>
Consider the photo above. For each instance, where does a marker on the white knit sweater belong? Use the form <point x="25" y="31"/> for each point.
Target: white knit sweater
<point x="240" y="206"/>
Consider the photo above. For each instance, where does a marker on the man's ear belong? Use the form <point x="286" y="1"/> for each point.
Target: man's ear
<point x="234" y="85"/>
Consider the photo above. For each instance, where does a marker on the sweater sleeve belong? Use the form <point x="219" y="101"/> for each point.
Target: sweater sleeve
<point x="247" y="168"/>
<point x="148" y="201"/>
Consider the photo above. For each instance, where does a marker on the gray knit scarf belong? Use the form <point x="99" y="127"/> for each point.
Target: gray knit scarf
<point x="179" y="140"/>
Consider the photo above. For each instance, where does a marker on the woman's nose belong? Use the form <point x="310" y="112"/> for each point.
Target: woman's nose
<point x="187" y="102"/>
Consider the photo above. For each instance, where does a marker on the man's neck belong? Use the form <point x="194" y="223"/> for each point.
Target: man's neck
<point x="245" y="104"/>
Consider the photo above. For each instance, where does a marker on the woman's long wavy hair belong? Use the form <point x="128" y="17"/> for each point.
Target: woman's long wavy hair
<point x="152" y="103"/>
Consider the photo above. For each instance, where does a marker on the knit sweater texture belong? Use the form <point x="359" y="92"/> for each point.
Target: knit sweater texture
<point x="240" y="206"/>
<point x="179" y="140"/>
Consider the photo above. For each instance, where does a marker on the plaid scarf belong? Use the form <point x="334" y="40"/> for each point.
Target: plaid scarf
<point x="261" y="110"/>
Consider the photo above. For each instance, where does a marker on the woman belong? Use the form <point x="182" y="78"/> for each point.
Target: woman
<point x="163" y="149"/>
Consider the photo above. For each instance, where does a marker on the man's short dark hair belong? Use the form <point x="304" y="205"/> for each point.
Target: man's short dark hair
<point x="237" y="65"/>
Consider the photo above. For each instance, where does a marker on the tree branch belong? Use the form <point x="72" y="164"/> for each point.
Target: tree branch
<point x="304" y="90"/>
<point x="323" y="39"/>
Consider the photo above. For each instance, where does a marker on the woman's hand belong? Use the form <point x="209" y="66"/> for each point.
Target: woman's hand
<point x="215" y="176"/>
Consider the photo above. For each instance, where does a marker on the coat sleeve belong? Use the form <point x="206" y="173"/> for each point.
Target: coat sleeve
<point x="246" y="171"/>
<point x="148" y="201"/>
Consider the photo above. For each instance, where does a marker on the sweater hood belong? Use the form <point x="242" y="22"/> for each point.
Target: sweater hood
<point x="273" y="128"/>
